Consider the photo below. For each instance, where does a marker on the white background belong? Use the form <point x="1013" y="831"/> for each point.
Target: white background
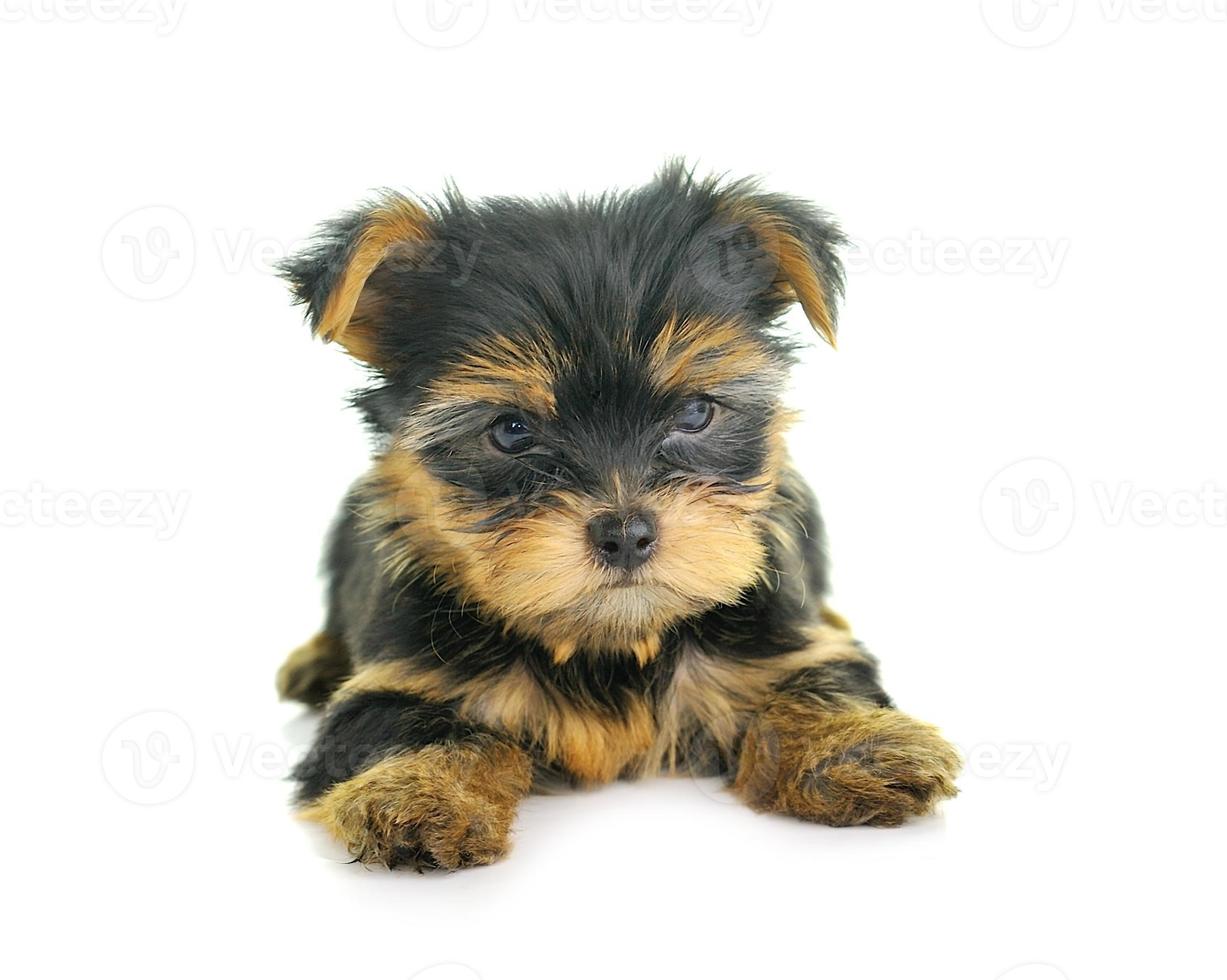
<point x="1039" y="205"/>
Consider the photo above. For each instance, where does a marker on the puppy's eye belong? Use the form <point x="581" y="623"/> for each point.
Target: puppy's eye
<point x="695" y="415"/>
<point x="511" y="434"/>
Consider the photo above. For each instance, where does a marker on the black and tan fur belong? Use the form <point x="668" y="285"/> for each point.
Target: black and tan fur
<point x="478" y="642"/>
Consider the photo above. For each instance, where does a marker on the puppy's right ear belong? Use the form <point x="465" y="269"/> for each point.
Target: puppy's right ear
<point x="331" y="275"/>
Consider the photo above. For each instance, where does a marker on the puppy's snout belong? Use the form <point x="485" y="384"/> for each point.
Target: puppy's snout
<point x="623" y="540"/>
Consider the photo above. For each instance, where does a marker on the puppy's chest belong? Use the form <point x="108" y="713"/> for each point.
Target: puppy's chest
<point x="630" y="731"/>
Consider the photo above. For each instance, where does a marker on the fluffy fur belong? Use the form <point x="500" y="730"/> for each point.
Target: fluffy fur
<point x="541" y="369"/>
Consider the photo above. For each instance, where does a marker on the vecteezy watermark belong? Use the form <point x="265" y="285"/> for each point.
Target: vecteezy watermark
<point x="1039" y="259"/>
<point x="151" y="253"/>
<point x="1026" y="761"/>
<point x="241" y="755"/>
<point x="1153" y="11"/>
<point x="1029" y="506"/>
<point x="451" y="23"/>
<point x="164" y="15"/>
<point x="1126" y="503"/>
<point x="238" y="251"/>
<point x="1040" y="764"/>
<point x="150" y="758"/>
<point x="1028" y="23"/>
<point x="442" y="23"/>
<point x="733" y="261"/>
<point x="1037" y="23"/>
<point x="38" y="506"/>
<point x="750" y="15"/>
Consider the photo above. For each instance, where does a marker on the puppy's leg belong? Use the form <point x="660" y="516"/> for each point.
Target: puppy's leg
<point x="828" y="746"/>
<point x="403" y="781"/>
<point x="312" y="672"/>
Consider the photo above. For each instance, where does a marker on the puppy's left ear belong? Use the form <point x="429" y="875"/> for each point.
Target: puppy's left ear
<point x="801" y="243"/>
<point x="332" y="276"/>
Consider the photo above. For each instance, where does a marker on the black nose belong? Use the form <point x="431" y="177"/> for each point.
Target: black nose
<point x="623" y="541"/>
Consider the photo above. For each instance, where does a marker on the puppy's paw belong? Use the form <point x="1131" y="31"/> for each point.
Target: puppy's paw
<point x="312" y="672"/>
<point x="443" y="806"/>
<point x="863" y="766"/>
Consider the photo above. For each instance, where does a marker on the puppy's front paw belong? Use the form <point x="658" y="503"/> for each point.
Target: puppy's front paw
<point x="443" y="806"/>
<point x="864" y="766"/>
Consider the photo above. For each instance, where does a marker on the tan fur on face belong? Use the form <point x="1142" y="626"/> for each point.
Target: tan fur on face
<point x="538" y="575"/>
<point x="708" y="354"/>
<point x="446" y="805"/>
<point x="517" y="372"/>
<point x="537" y="572"/>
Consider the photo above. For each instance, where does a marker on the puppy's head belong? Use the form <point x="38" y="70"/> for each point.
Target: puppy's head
<point x="579" y="399"/>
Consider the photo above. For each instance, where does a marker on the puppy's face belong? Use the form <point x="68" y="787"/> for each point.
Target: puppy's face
<point x="580" y="400"/>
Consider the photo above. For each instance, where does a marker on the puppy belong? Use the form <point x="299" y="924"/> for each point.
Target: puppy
<point x="581" y="551"/>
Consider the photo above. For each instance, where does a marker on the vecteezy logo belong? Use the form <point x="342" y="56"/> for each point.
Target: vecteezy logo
<point x="1028" y="23"/>
<point x="1029" y="505"/>
<point x="149" y="758"/>
<point x="149" y="253"/>
<point x="442" y="23"/>
<point x="732" y="262"/>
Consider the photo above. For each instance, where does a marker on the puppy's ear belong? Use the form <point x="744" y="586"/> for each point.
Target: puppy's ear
<point x="330" y="276"/>
<point x="801" y="245"/>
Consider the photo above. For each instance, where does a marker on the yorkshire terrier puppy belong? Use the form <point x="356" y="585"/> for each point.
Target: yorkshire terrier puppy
<point x="581" y="552"/>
